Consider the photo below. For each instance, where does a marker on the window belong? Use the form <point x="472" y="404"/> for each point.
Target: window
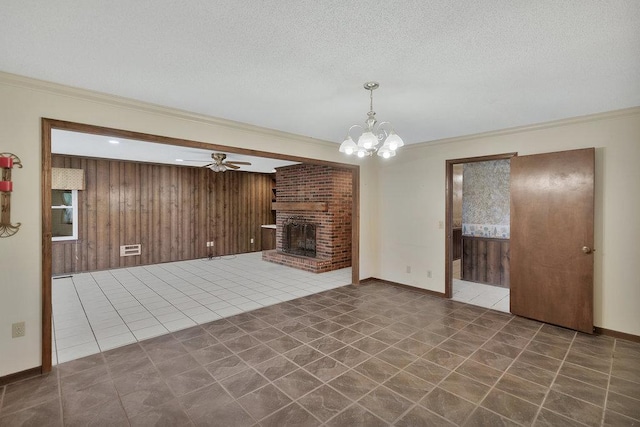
<point x="64" y="215"/>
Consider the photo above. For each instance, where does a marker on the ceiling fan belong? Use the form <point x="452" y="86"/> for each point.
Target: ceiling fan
<point x="220" y="165"/>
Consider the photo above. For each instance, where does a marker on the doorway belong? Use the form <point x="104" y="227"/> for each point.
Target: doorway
<point x="485" y="244"/>
<point x="49" y="124"/>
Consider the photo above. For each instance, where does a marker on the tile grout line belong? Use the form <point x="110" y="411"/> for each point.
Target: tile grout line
<point x="114" y="308"/>
<point x="606" y="394"/>
<point x="555" y="377"/>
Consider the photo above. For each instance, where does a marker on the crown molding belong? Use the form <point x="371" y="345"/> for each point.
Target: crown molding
<point x="631" y="111"/>
<point x="118" y="101"/>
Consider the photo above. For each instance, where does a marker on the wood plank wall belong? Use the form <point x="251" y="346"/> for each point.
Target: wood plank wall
<point x="171" y="211"/>
<point x="485" y="260"/>
<point x="457" y="243"/>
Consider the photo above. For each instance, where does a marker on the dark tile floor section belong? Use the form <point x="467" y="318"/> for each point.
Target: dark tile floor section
<point x="373" y="355"/>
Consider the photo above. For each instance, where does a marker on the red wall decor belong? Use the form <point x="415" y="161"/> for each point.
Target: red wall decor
<point x="7" y="163"/>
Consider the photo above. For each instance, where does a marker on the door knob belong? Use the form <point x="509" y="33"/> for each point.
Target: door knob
<point x="586" y="249"/>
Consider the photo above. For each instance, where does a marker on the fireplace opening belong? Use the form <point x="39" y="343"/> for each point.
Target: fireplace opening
<point x="299" y="237"/>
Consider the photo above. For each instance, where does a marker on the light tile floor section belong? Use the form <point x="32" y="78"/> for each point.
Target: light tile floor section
<point x="98" y="311"/>
<point x="487" y="296"/>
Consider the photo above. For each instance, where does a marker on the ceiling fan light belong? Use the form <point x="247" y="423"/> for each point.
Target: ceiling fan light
<point x="362" y="153"/>
<point x="367" y="140"/>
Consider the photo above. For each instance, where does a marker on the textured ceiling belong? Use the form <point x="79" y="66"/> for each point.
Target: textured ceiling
<point x="446" y="68"/>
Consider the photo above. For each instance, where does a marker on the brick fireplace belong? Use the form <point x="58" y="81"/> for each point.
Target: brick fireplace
<point x="318" y="195"/>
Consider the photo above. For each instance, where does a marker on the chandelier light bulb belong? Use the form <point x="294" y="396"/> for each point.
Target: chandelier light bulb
<point x="360" y="153"/>
<point x="367" y="140"/>
<point x="394" y="141"/>
<point x="348" y="146"/>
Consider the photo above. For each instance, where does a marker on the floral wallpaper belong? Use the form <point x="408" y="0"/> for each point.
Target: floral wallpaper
<point x="485" y="199"/>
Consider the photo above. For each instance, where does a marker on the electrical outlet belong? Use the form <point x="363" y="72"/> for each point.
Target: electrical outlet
<point x="408" y="269"/>
<point x="208" y="244"/>
<point x="17" y="330"/>
<point x="441" y="224"/>
<point x="429" y="274"/>
<point x="252" y="240"/>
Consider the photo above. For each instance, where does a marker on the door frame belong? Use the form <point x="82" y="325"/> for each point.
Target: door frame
<point x="448" y="244"/>
<point x="48" y="124"/>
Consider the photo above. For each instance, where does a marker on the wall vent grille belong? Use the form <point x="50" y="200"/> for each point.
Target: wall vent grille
<point x="130" y="250"/>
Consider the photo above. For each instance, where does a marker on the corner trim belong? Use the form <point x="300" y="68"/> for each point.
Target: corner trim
<point x="17" y="80"/>
<point x="631" y="111"/>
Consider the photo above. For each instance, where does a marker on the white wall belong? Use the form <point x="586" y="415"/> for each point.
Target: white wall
<point x="23" y="102"/>
<point x="412" y="202"/>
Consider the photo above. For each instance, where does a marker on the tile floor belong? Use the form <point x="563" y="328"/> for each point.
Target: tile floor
<point x="372" y="355"/>
<point x="482" y="295"/>
<point x="98" y="311"/>
<point x="494" y="297"/>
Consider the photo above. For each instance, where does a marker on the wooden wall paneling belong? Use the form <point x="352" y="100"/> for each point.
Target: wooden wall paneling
<point x="202" y="209"/>
<point x="505" y="262"/>
<point x="250" y="184"/>
<point x="156" y="214"/>
<point x="232" y="213"/>
<point x="171" y="211"/>
<point x="485" y="260"/>
<point x="163" y="239"/>
<point x="114" y="215"/>
<point x="219" y="191"/>
<point x="130" y="210"/>
<point x="235" y="205"/>
<point x="175" y="231"/>
<point x="186" y="205"/>
<point x="215" y="198"/>
<point x="457" y="243"/>
<point x="467" y="261"/>
<point x="88" y="210"/>
<point x="245" y="221"/>
<point x="137" y="201"/>
<point x="225" y="224"/>
<point x="145" y="213"/>
<point x="121" y="231"/>
<point x="180" y="233"/>
<point x="103" y="199"/>
<point x="193" y="235"/>
<point x="494" y="263"/>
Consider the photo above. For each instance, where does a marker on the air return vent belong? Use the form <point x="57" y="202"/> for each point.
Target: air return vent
<point x="130" y="250"/>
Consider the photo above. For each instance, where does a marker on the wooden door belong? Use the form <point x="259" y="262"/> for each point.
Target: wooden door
<point x="552" y="238"/>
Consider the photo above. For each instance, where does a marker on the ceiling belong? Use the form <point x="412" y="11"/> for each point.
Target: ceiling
<point x="445" y="68"/>
<point x="105" y="147"/>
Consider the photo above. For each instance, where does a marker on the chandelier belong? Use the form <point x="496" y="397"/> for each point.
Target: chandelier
<point x="372" y="134"/>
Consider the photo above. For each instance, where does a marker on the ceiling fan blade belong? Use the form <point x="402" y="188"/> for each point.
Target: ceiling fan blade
<point x="231" y="166"/>
<point x="206" y="166"/>
<point x="238" y="163"/>
<point x="194" y="160"/>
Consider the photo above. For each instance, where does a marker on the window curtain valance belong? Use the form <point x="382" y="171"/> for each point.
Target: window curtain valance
<point x="67" y="179"/>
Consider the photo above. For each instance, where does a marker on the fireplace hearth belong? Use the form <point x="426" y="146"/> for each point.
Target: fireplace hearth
<point x="299" y="237"/>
